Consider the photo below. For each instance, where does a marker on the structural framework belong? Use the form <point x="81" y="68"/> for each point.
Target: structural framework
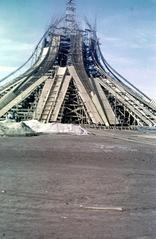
<point x="68" y="80"/>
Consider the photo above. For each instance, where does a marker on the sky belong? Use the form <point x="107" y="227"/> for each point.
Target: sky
<point x="126" y="31"/>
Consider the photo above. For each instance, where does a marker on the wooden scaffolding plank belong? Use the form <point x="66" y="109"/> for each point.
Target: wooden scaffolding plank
<point x="91" y="109"/>
<point x="22" y="95"/>
<point x="105" y="103"/>
<point x="53" y="95"/>
<point x="43" y="98"/>
<point x="125" y="102"/>
<point x="60" y="99"/>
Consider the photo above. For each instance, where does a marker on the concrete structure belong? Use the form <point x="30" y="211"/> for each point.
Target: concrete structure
<point x="70" y="81"/>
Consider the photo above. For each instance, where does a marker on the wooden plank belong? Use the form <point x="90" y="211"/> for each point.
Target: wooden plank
<point x="60" y="99"/>
<point x="43" y="98"/>
<point x="91" y="109"/>
<point x="22" y="96"/>
<point x="107" y="107"/>
<point x="53" y="94"/>
<point x="122" y="100"/>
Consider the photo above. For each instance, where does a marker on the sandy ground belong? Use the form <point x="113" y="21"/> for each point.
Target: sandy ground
<point x="49" y="184"/>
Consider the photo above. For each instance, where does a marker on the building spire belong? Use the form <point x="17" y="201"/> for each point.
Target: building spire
<point x="70" y="16"/>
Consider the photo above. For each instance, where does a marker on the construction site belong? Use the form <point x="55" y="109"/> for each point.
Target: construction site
<point x="77" y="143"/>
<point x="68" y="80"/>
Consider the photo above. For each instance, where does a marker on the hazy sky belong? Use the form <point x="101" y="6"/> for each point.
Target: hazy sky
<point x="126" y="29"/>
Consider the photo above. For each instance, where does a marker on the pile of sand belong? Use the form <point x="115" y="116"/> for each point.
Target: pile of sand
<point x="55" y="128"/>
<point x="12" y="128"/>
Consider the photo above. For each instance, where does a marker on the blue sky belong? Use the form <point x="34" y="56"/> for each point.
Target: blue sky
<point x="126" y="29"/>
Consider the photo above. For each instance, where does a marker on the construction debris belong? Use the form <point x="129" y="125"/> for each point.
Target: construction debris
<point x="55" y="128"/>
<point x="34" y="127"/>
<point x="12" y="128"/>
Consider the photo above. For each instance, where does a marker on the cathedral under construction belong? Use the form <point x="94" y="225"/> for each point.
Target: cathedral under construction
<point x="67" y="79"/>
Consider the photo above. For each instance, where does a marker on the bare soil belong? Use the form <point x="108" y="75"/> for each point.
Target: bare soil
<point x="49" y="184"/>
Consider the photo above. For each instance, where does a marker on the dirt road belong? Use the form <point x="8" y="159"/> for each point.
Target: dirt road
<point x="70" y="187"/>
